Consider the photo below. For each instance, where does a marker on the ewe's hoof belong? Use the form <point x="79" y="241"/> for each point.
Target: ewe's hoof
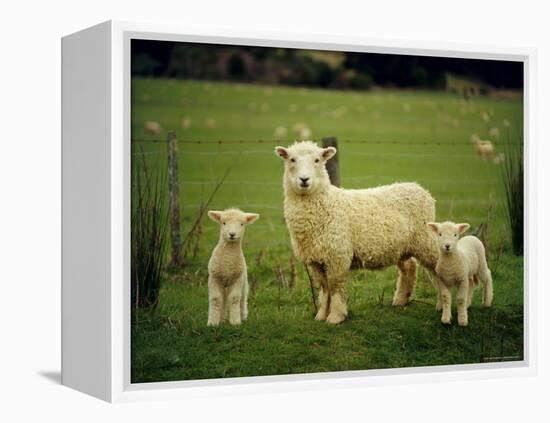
<point x="446" y="320"/>
<point x="321" y="315"/>
<point x="463" y="322"/>
<point x="335" y="318"/>
<point x="212" y="323"/>
<point x="400" y="301"/>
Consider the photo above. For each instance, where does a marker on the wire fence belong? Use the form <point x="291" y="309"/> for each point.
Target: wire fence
<point x="246" y="189"/>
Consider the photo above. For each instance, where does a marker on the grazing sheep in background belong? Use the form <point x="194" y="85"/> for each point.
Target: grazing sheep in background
<point x="333" y="230"/>
<point x="152" y="127"/>
<point x="499" y="158"/>
<point x="484" y="149"/>
<point x="186" y="122"/>
<point x="485" y="116"/>
<point x="227" y="273"/>
<point x="461" y="264"/>
<point x="210" y="123"/>
<point x="305" y="133"/>
<point x="506" y="123"/>
<point x="474" y="138"/>
<point x="280" y="133"/>
<point x="494" y="132"/>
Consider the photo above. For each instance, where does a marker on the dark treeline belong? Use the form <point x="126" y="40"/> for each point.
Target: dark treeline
<point x="314" y="68"/>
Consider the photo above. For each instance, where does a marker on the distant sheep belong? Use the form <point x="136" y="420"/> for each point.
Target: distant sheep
<point x="461" y="264"/>
<point x="151" y="127"/>
<point x="484" y="149"/>
<point x="494" y="132"/>
<point x="333" y="230"/>
<point x="186" y="122"/>
<point x="210" y="123"/>
<point x="280" y="133"/>
<point x="227" y="273"/>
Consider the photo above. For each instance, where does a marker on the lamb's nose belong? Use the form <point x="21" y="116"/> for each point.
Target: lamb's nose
<point x="447" y="246"/>
<point x="232" y="234"/>
<point x="304" y="180"/>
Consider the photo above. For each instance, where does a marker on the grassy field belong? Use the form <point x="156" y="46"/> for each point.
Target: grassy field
<point x="384" y="136"/>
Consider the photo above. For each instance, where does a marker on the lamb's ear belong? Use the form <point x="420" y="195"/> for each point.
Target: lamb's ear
<point x="433" y="226"/>
<point x="328" y="153"/>
<point x="281" y="152"/>
<point x="463" y="227"/>
<point x="216" y="216"/>
<point x="251" y="218"/>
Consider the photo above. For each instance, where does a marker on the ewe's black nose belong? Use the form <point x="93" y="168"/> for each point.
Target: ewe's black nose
<point x="304" y="180"/>
<point x="447" y="246"/>
<point x="232" y="234"/>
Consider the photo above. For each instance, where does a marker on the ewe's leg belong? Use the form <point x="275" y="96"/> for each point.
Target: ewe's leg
<point x="439" y="303"/>
<point x="244" y="298"/>
<point x="215" y="302"/>
<point x="462" y="301"/>
<point x="234" y="295"/>
<point x="319" y="278"/>
<point x="338" y="310"/>
<point x="405" y="282"/>
<point x="446" y="299"/>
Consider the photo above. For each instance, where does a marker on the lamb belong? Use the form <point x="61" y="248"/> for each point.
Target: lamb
<point x="227" y="273"/>
<point x="461" y="263"/>
<point x="333" y="230"/>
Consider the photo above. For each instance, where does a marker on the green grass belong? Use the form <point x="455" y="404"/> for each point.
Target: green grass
<point x="432" y="132"/>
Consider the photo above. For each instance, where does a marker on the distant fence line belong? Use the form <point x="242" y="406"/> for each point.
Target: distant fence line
<point x="345" y="141"/>
<point x="172" y="152"/>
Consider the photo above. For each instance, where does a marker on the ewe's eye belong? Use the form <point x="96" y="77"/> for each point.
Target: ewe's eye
<point x="293" y="160"/>
<point x="223" y="223"/>
<point x="456" y="235"/>
<point x="242" y="224"/>
<point x="439" y="234"/>
<point x="316" y="160"/>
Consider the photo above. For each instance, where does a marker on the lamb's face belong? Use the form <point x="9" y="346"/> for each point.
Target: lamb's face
<point x="448" y="234"/>
<point x="305" y="166"/>
<point x="232" y="223"/>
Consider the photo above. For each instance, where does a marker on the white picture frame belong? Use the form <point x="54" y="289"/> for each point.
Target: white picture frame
<point x="96" y="204"/>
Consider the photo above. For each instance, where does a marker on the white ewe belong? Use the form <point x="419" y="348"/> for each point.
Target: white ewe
<point x="227" y="274"/>
<point x="333" y="230"/>
<point x="461" y="264"/>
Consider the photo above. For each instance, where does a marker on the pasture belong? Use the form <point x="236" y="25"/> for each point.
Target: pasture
<point x="384" y="136"/>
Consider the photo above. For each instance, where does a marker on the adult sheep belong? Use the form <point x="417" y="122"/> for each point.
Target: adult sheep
<point x="333" y="230"/>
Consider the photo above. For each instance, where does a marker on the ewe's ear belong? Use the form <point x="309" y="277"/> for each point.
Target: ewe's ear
<point x="281" y="152"/>
<point x="328" y="153"/>
<point x="463" y="227"/>
<point x="251" y="218"/>
<point x="216" y="216"/>
<point x="433" y="226"/>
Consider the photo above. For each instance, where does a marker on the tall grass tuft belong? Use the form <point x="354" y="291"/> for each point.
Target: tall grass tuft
<point x="513" y="185"/>
<point x="149" y="236"/>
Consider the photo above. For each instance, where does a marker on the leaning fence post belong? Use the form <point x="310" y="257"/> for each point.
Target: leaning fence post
<point x="333" y="167"/>
<point x="174" y="189"/>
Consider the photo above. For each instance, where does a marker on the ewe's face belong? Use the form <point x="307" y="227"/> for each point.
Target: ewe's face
<point x="448" y="234"/>
<point x="305" y="165"/>
<point x="232" y="223"/>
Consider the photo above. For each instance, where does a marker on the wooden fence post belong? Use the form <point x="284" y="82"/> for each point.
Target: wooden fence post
<point x="333" y="166"/>
<point x="174" y="189"/>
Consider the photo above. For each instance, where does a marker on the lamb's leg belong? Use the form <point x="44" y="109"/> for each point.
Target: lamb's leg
<point x="405" y="282"/>
<point x="446" y="299"/>
<point x="244" y="298"/>
<point x="439" y="303"/>
<point x="487" y="280"/>
<point x="215" y="302"/>
<point x="319" y="278"/>
<point x="234" y="294"/>
<point x="462" y="301"/>
<point x="338" y="310"/>
<point x="471" y="288"/>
